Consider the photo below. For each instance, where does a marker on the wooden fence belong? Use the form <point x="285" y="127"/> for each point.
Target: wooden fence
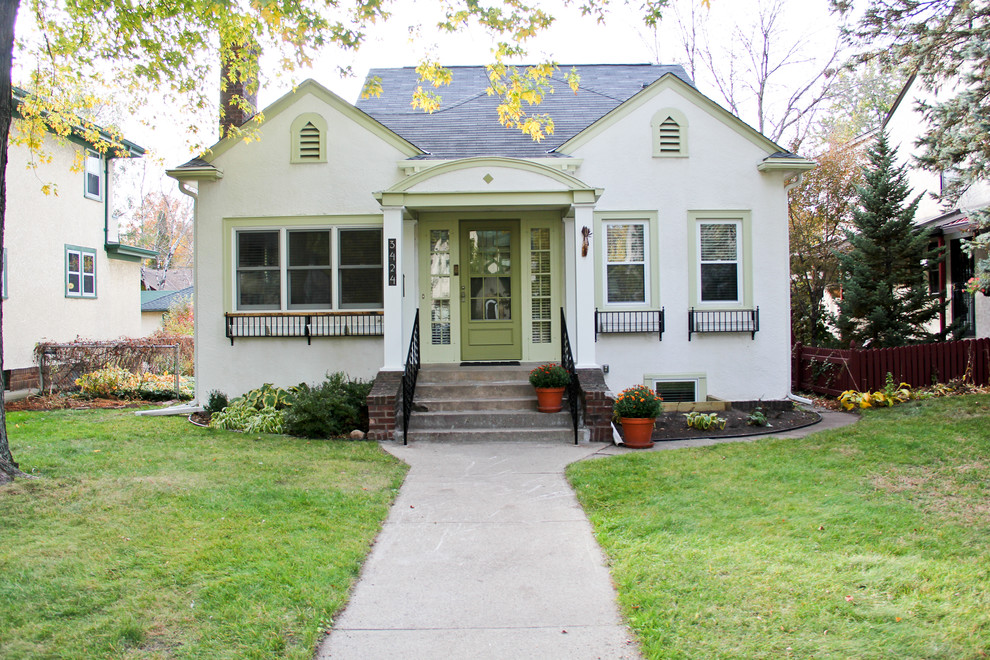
<point x="833" y="371"/>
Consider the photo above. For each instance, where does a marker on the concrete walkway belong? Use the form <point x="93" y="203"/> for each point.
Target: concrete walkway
<point x="486" y="554"/>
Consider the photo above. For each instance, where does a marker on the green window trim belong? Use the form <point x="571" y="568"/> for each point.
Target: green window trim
<point x="281" y="269"/>
<point x="651" y="264"/>
<point x="743" y="220"/>
<point x="80" y="272"/>
<point x="669" y="130"/>
<point x="308" y="139"/>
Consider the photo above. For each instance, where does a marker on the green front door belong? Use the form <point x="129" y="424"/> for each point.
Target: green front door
<point x="491" y="323"/>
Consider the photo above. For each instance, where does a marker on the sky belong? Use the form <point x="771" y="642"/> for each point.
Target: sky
<point x="410" y="35"/>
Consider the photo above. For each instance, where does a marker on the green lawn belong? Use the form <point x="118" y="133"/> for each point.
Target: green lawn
<point x="867" y="542"/>
<point x="146" y="537"/>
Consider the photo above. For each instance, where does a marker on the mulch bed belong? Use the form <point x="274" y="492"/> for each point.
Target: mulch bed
<point x="63" y="402"/>
<point x="672" y="425"/>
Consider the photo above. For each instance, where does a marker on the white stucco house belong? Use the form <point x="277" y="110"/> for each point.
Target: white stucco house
<point x="655" y="219"/>
<point x="65" y="273"/>
<point x="905" y="124"/>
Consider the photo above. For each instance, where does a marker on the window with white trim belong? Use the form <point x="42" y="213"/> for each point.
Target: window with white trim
<point x="626" y="262"/>
<point x="682" y="388"/>
<point x="719" y="250"/>
<point x="93" y="181"/>
<point x="80" y="272"/>
<point x="321" y="269"/>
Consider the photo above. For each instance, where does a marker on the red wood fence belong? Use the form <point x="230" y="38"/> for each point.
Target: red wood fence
<point x="833" y="371"/>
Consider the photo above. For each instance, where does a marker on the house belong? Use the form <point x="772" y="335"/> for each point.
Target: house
<point x="154" y="305"/>
<point x="65" y="273"/>
<point x="652" y="217"/>
<point x="949" y="227"/>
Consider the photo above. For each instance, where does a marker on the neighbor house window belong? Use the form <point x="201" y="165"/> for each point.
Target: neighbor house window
<point x="626" y="270"/>
<point x="320" y="269"/>
<point x="719" y="247"/>
<point x="94" y="176"/>
<point x="80" y="272"/>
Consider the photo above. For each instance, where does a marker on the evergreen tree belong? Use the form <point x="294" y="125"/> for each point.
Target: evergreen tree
<point x="885" y="298"/>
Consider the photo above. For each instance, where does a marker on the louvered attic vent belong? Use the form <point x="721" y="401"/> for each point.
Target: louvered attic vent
<point x="309" y="142"/>
<point x="670" y="136"/>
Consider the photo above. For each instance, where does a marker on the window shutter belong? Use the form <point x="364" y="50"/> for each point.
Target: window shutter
<point x="670" y="136"/>
<point x="309" y="142"/>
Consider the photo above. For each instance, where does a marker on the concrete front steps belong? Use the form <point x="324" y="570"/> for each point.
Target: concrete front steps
<point x="488" y="403"/>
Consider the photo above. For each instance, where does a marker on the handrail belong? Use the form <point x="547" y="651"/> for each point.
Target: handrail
<point x="567" y="361"/>
<point x="409" y="376"/>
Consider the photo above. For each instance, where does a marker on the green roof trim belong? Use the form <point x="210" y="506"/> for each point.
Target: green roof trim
<point x="129" y="252"/>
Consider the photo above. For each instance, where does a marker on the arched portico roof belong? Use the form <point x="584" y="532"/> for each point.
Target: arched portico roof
<point x="489" y="180"/>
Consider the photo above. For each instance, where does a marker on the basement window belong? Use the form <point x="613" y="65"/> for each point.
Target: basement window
<point x="679" y="389"/>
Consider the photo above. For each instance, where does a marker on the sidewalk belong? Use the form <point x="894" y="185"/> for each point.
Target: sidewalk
<point x="485" y="554"/>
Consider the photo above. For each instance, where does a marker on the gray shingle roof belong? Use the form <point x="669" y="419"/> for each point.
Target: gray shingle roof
<point x="467" y="123"/>
<point x="163" y="302"/>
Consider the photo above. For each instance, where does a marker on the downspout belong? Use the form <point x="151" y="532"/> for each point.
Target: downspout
<point x="194" y="194"/>
<point x="106" y="202"/>
<point x="788" y="188"/>
<point x="941" y="285"/>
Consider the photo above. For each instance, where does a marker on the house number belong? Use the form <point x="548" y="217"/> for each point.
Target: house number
<point x="392" y="270"/>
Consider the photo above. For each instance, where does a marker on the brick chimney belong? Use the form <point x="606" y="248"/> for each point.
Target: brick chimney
<point x="238" y="80"/>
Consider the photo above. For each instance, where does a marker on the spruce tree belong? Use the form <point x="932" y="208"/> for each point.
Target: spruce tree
<point x="885" y="298"/>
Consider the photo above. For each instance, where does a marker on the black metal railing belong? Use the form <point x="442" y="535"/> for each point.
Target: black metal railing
<point x="296" y="324"/>
<point x="409" y="376"/>
<point x="738" y="320"/>
<point x="573" y="388"/>
<point x="630" y="322"/>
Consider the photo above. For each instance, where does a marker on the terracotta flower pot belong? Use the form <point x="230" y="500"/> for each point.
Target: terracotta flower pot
<point x="637" y="432"/>
<point x="548" y="399"/>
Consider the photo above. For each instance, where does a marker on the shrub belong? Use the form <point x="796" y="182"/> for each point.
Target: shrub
<point x="890" y="395"/>
<point x="269" y="396"/>
<point x="757" y="418"/>
<point x="637" y="402"/>
<point x="116" y="382"/>
<point x="331" y="409"/>
<point x="549" y="375"/>
<point x="216" y="402"/>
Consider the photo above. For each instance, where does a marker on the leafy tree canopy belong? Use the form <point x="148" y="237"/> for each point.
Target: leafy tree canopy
<point x="946" y="43"/>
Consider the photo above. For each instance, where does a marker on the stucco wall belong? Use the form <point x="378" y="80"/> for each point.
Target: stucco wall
<point x="37" y="229"/>
<point x="720" y="173"/>
<point x="259" y="182"/>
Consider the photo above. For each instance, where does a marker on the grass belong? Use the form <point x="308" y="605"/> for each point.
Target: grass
<point x="146" y="537"/>
<point x="871" y="541"/>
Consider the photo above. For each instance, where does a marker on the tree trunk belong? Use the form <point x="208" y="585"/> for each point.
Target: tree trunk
<point x="8" y="15"/>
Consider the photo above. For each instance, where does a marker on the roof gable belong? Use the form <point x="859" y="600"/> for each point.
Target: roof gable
<point x="311" y="87"/>
<point x="467" y="124"/>
<point x="646" y="94"/>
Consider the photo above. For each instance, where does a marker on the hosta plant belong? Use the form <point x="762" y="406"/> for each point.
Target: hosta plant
<point x="704" y="421"/>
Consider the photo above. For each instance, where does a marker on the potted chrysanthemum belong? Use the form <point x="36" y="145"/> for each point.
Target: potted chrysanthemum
<point x="636" y="409"/>
<point x="550" y="380"/>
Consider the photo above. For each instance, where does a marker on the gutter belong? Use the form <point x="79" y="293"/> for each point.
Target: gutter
<point x="185" y="189"/>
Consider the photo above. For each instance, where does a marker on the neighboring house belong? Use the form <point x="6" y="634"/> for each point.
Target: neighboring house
<point x="65" y="275"/>
<point x="154" y="304"/>
<point x="318" y="245"/>
<point x="173" y="279"/>
<point x="949" y="227"/>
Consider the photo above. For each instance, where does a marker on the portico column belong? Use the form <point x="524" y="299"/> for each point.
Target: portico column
<point x="394" y="357"/>
<point x="583" y="328"/>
